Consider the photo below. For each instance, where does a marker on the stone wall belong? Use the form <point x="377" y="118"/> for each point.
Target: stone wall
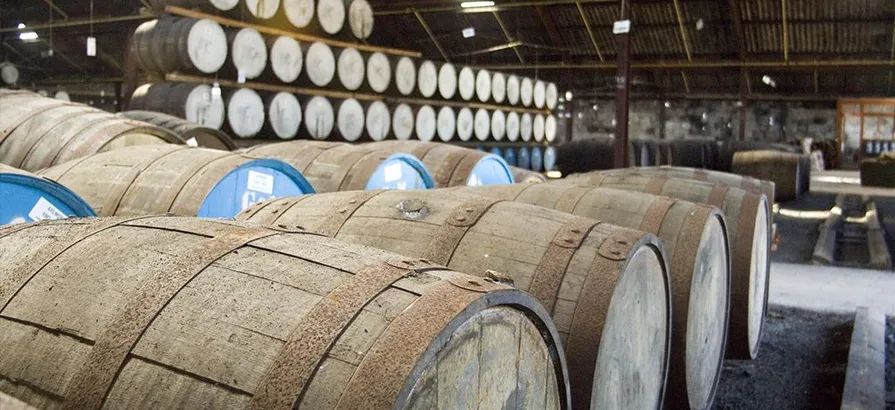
<point x="765" y="121"/>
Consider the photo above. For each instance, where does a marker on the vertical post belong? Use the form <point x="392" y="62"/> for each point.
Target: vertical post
<point x="744" y="103"/>
<point x="623" y="91"/>
<point x="663" y="115"/>
<point x="130" y="77"/>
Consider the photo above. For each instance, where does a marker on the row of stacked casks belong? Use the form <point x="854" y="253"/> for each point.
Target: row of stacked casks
<point x="245" y="113"/>
<point x="194" y="46"/>
<point x="537" y="159"/>
<point x="329" y="16"/>
<point x="627" y="313"/>
<point x="785" y="165"/>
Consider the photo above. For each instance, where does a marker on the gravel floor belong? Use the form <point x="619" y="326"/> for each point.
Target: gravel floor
<point x="798" y="235"/>
<point x="801" y="364"/>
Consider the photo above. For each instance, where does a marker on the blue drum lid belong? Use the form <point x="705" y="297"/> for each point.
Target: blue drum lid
<point x="497" y="151"/>
<point x="537" y="160"/>
<point x="251" y="183"/>
<point x="402" y="172"/>
<point x="509" y="155"/>
<point x="549" y="159"/>
<point x="25" y="198"/>
<point x="524" y="160"/>
<point x="490" y="170"/>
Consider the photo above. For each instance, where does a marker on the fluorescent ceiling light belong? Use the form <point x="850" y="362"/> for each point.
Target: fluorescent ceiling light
<point x="469" y="32"/>
<point x="21" y="25"/>
<point x="568" y="96"/>
<point x="28" y="36"/>
<point x="474" y="4"/>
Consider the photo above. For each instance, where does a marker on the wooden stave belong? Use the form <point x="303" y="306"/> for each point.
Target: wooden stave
<point x="309" y="213"/>
<point x="783" y="172"/>
<point x="448" y="164"/>
<point x="637" y="210"/>
<point x="744" y="333"/>
<point x="524" y="176"/>
<point x="206" y="137"/>
<point x="178" y="104"/>
<point x="182" y="242"/>
<point x="162" y="45"/>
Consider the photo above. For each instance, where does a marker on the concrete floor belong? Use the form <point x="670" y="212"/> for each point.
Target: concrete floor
<point x="844" y="182"/>
<point x="830" y="289"/>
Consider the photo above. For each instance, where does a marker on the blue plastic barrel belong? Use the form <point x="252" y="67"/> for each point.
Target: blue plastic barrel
<point x="497" y="151"/>
<point x="403" y="172"/>
<point x="537" y="159"/>
<point x="509" y="155"/>
<point x="253" y="182"/>
<point x="549" y="159"/>
<point x="524" y="160"/>
<point x="490" y="170"/>
<point x="29" y="198"/>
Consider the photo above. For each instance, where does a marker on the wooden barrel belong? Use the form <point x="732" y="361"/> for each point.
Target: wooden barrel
<point x="332" y="167"/>
<point x="539" y="127"/>
<point x="447" y="124"/>
<point x="551" y="96"/>
<point x="283" y="113"/>
<point x="526" y="92"/>
<point x="786" y="171"/>
<point x="360" y="18"/>
<point x="331" y="15"/>
<point x="403" y="122"/>
<point x="320" y="63"/>
<point x="524" y="176"/>
<point x="483" y="85"/>
<point x="46" y="134"/>
<point x="320" y="118"/>
<point x="159" y="179"/>
<point x="426" y="123"/>
<point x="427" y="79"/>
<point x="715" y="177"/>
<point x="197" y="103"/>
<point x="286" y="59"/>
<point x="513" y="90"/>
<point x="640" y="153"/>
<point x="549" y="159"/>
<point x="379" y="72"/>
<point x="537" y="159"/>
<point x="465" y="124"/>
<point x="609" y="280"/>
<point x="451" y="165"/>
<point x="262" y="9"/>
<point x="688" y="153"/>
<point x="174" y="44"/>
<point x="248" y="51"/>
<point x="664" y="153"/>
<point x="524" y="158"/>
<point x="30" y="198"/>
<point x="513" y="126"/>
<point x="8" y="402"/>
<point x="526" y="127"/>
<point x="540" y="94"/>
<point x="189" y="132"/>
<point x="482" y="124"/>
<point x="351" y="68"/>
<point x="9" y="73"/>
<point x="378" y="121"/>
<point x="299" y="13"/>
<point x="550" y="128"/>
<point x="92" y="324"/>
<point x="405" y="76"/>
<point x="245" y="112"/>
<point x="350" y="120"/>
<point x="447" y="81"/>
<point x="748" y="225"/>
<point x="466" y="84"/>
<point x="695" y="240"/>
<point x="499" y="88"/>
<point x="498" y="125"/>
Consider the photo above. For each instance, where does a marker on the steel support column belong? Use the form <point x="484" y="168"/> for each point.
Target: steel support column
<point x="623" y="91"/>
<point x="744" y="103"/>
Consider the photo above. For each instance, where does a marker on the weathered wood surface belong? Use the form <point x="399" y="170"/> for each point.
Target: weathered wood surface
<point x="865" y="376"/>
<point x="166" y="312"/>
<point x="201" y="136"/>
<point x="695" y="240"/>
<point x="38" y="132"/>
<point x="877" y="246"/>
<point x="450" y="165"/>
<point x="328" y="166"/>
<point x="524" y="176"/>
<point x="150" y="180"/>
<point x="716" y="177"/>
<point x="606" y="286"/>
<point x="825" y="248"/>
<point x="748" y="226"/>
<point x="786" y="170"/>
<point x="11" y="403"/>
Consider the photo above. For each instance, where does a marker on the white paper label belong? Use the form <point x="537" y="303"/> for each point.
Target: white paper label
<point x="260" y="182"/>
<point x="192" y="142"/>
<point x="91" y="46"/>
<point x="241" y="77"/>
<point x="621" y="27"/>
<point x="43" y="209"/>
<point x="215" y="92"/>
<point x="392" y="173"/>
